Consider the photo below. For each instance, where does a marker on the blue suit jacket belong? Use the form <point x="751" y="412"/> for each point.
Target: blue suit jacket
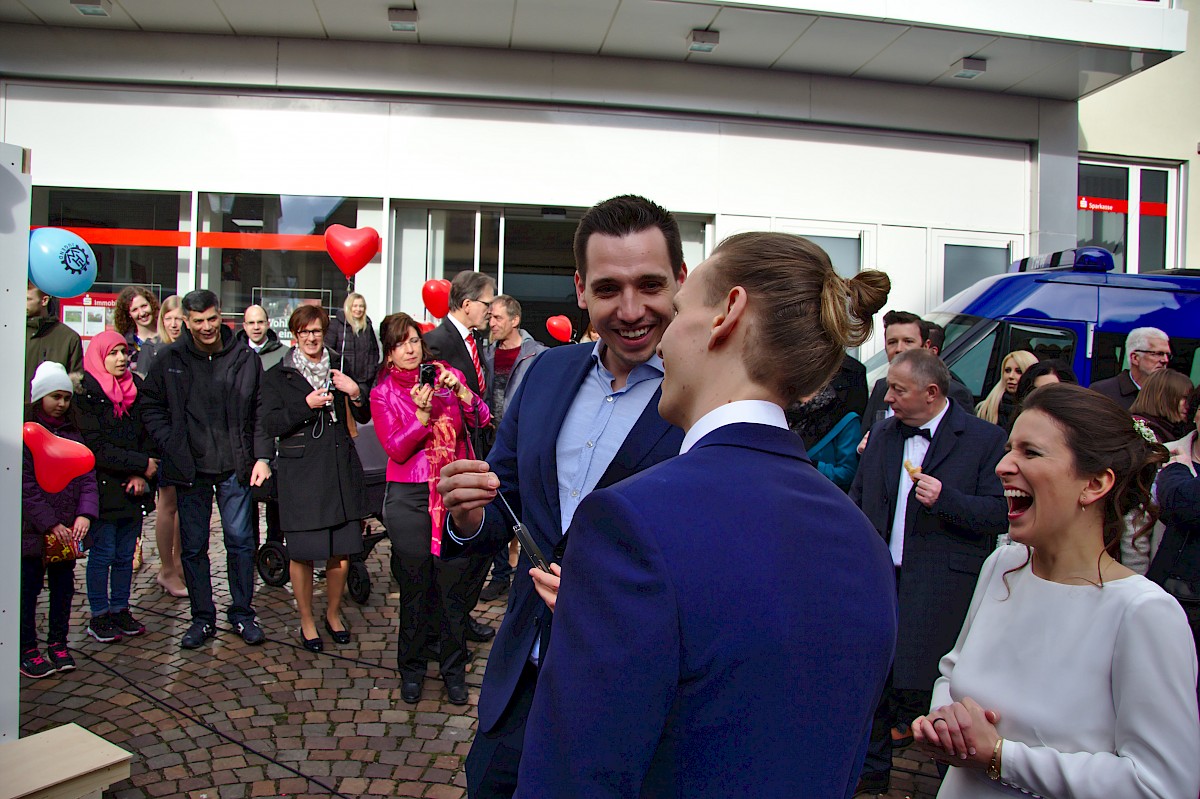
<point x="724" y="628"/>
<point x="528" y="472"/>
<point x="944" y="546"/>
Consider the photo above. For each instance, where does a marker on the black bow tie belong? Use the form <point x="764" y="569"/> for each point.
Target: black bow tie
<point x="908" y="431"/>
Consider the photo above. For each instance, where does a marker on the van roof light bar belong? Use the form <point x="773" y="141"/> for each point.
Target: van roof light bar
<point x="1080" y="259"/>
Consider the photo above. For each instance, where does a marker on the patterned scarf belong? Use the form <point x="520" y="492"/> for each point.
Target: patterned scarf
<point x="317" y="374"/>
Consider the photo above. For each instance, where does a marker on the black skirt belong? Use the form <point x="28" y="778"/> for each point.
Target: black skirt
<point x="325" y="543"/>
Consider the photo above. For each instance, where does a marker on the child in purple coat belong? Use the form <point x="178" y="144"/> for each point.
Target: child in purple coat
<point x="67" y="515"/>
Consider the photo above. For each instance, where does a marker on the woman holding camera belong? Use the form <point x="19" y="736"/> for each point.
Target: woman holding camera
<point x="421" y="409"/>
<point x="317" y="471"/>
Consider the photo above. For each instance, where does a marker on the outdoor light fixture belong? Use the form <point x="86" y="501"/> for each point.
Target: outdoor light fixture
<point x="701" y="41"/>
<point x="969" y="68"/>
<point x="403" y="20"/>
<point x="93" y="8"/>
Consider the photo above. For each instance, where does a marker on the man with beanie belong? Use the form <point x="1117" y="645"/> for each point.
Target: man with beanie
<point x="203" y="409"/>
<point x="46" y="338"/>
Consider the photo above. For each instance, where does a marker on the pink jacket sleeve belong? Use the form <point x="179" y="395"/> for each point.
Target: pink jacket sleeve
<point x="395" y="415"/>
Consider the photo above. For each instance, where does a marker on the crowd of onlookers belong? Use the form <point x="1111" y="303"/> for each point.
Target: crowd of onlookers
<point x="180" y="410"/>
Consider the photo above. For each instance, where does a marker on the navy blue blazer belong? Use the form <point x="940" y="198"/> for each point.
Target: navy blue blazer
<point x="724" y="628"/>
<point x="528" y="472"/>
<point x="944" y="546"/>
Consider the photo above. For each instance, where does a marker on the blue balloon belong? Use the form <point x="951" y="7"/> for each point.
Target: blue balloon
<point x="60" y="263"/>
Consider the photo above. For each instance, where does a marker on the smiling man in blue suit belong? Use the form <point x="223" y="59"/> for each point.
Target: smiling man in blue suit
<point x="585" y="416"/>
<point x="726" y="619"/>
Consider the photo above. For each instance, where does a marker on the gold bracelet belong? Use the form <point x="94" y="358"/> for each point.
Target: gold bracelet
<point x="993" y="769"/>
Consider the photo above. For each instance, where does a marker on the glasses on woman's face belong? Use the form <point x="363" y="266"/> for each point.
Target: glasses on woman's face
<point x="310" y="334"/>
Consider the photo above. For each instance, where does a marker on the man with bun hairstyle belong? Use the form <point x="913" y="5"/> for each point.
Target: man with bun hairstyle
<point x="712" y="638"/>
<point x="927" y="481"/>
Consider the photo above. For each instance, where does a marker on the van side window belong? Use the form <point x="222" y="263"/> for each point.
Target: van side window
<point x="1109" y="356"/>
<point x="1047" y="343"/>
<point x="971" y="367"/>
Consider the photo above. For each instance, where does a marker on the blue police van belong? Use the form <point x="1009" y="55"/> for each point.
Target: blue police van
<point x="1070" y="306"/>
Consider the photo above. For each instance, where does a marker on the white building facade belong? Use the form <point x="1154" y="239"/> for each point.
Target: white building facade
<point x="191" y="159"/>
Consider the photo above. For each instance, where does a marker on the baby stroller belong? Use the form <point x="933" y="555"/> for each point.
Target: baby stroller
<point x="272" y="559"/>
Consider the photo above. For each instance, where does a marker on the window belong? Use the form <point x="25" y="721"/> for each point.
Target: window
<point x="271" y="249"/>
<point x="135" y="235"/>
<point x="1130" y="210"/>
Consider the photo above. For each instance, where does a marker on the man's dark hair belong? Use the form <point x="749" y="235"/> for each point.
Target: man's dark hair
<point x="903" y="318"/>
<point x="926" y="368"/>
<point x="199" y="301"/>
<point x="622" y="216"/>
<point x="469" y="286"/>
<point x="934" y="335"/>
<point x="511" y="306"/>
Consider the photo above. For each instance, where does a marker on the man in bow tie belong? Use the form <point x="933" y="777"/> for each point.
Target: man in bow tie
<point x="927" y="482"/>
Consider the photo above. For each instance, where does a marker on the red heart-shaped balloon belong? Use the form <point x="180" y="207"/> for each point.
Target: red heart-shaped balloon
<point x="559" y="327"/>
<point x="425" y="327"/>
<point x="56" y="460"/>
<point x="436" y="296"/>
<point x="351" y="248"/>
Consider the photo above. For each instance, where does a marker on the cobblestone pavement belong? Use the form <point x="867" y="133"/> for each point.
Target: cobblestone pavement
<point x="229" y="720"/>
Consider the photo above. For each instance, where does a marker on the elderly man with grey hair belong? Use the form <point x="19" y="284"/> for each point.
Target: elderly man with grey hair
<point x="1148" y="350"/>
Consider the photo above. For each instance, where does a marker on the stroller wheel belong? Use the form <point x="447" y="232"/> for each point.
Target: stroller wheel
<point x="358" y="581"/>
<point x="273" y="563"/>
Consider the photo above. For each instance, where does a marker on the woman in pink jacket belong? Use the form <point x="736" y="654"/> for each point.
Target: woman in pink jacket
<point x="421" y="410"/>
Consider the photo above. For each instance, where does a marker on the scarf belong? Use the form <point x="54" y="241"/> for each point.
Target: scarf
<point x="121" y="390"/>
<point x="317" y="374"/>
<point x="813" y="419"/>
<point x="440" y="448"/>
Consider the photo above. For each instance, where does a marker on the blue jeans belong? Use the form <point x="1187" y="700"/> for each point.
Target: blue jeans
<point x="110" y="564"/>
<point x="195" y="514"/>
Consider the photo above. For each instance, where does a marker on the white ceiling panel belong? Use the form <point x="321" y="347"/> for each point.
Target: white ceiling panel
<point x="753" y="38"/>
<point x="839" y="46"/>
<point x="646" y="29"/>
<point x="197" y="16"/>
<point x="465" y="22"/>
<point x="922" y="55"/>
<point x="360" y="21"/>
<point x="292" y="18"/>
<point x="60" y="12"/>
<point x="572" y="26"/>
<point x="1009" y="62"/>
<point x="16" y="11"/>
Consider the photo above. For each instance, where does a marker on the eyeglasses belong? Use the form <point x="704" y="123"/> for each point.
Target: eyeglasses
<point x="309" y="333"/>
<point x="1159" y="356"/>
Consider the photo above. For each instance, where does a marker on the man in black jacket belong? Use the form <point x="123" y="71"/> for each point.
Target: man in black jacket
<point x="202" y="407"/>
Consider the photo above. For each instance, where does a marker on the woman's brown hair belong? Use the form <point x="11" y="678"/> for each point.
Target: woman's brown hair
<point x="1161" y="395"/>
<point x="305" y="315"/>
<point x="803" y="314"/>
<point x="393" y="330"/>
<point x="122" y="321"/>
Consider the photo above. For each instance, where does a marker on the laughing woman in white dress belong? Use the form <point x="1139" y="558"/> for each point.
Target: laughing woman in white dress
<point x="1073" y="677"/>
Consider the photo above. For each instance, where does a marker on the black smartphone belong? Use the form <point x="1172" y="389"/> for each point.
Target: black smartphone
<point x="527" y="543"/>
<point x="428" y="375"/>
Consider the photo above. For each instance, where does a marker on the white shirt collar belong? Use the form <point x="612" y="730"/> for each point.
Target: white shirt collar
<point x="753" y="411"/>
<point x="462" y="329"/>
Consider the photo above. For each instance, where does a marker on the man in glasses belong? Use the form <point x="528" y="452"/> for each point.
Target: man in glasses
<point x="1149" y="350"/>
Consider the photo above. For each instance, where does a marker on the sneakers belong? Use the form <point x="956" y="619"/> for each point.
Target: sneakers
<point x="250" y="631"/>
<point x="197" y="634"/>
<point x="60" y="658"/>
<point x="126" y="624"/>
<point x="103" y="630"/>
<point x="34" y="665"/>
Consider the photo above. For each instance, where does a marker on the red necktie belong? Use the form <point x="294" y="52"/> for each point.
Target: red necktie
<point x="475" y="360"/>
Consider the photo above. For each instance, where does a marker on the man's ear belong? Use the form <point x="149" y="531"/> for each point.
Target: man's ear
<point x="579" y="287"/>
<point x="733" y="313"/>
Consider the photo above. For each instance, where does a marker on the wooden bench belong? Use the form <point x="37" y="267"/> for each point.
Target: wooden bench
<point x="67" y="762"/>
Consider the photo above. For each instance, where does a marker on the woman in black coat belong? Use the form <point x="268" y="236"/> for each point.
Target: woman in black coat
<point x="319" y="477"/>
<point x="353" y="337"/>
